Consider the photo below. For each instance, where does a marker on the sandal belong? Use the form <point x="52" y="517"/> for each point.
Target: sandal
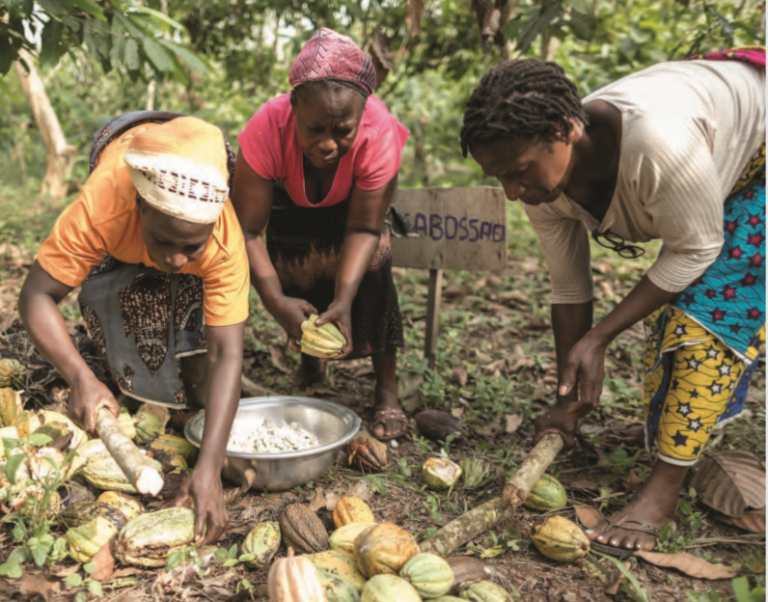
<point x="628" y="525"/>
<point x="382" y="415"/>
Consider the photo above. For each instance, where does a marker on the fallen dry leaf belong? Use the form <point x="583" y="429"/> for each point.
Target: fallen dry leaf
<point x="731" y="482"/>
<point x="279" y="359"/>
<point x="513" y="422"/>
<point x="752" y="521"/>
<point x="613" y="582"/>
<point x="318" y="501"/>
<point x="588" y="516"/>
<point x="689" y="564"/>
<point x="65" y="571"/>
<point x="104" y="562"/>
<point x="584" y="484"/>
<point x="457" y="412"/>
<point x="459" y="376"/>
<point x="362" y="490"/>
<point x="331" y="499"/>
<point x="38" y="585"/>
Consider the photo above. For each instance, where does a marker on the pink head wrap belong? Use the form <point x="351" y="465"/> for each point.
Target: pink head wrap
<point x="330" y="55"/>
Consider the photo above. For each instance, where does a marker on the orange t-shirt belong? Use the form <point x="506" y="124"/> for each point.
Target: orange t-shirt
<point x="104" y="219"/>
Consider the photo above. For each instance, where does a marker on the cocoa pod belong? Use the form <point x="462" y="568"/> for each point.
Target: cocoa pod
<point x="338" y="564"/>
<point x="82" y="513"/>
<point x="367" y="454"/>
<point x="437" y="425"/>
<point x="294" y="579"/>
<point x="262" y="543"/>
<point x="547" y="495"/>
<point x="343" y="538"/>
<point x="13" y="374"/>
<point x="351" y="509"/>
<point x="302" y="529"/>
<point x="129" y="507"/>
<point x="384" y="549"/>
<point x="388" y="588"/>
<point x="485" y="591"/>
<point x="430" y="575"/>
<point x="149" y="539"/>
<point x="440" y="473"/>
<point x="560" y="539"/>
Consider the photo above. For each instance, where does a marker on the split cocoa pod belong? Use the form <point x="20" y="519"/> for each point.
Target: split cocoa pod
<point x="367" y="454"/>
<point x="351" y="509"/>
<point x="149" y="539"/>
<point x="384" y="549"/>
<point x="560" y="539"/>
<point x="440" y="473"/>
<point x="129" y="507"/>
<point x="325" y="342"/>
<point x="262" y="543"/>
<point x="302" y="529"/>
<point x="294" y="579"/>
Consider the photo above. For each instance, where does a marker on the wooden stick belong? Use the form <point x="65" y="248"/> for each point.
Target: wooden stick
<point x="496" y="512"/>
<point x="138" y="468"/>
<point x="519" y="485"/>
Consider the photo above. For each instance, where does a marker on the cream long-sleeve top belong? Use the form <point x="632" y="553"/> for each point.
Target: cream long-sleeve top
<point x="688" y="131"/>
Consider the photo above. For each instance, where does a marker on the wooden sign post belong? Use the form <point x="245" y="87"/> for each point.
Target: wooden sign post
<point x="454" y="229"/>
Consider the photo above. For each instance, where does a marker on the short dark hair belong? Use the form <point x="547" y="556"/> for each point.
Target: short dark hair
<point x="524" y="98"/>
<point x="305" y="88"/>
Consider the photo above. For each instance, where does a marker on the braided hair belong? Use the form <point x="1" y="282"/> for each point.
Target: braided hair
<point x="523" y="98"/>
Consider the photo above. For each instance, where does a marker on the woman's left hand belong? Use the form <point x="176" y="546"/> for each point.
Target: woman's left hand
<point x="585" y="365"/>
<point x="339" y="313"/>
<point x="205" y="490"/>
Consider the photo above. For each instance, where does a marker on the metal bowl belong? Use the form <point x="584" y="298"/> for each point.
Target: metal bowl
<point x="332" y="423"/>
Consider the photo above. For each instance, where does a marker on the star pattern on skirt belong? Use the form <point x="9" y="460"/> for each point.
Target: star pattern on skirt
<point x="680" y="439"/>
<point x="694" y="424"/>
<point x="684" y="409"/>
<point x="725" y="369"/>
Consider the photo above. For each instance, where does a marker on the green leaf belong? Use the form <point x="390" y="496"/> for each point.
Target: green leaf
<point x="81" y="597"/>
<point x="232" y="552"/>
<point x="10" y="569"/>
<point x="53" y="8"/>
<point x="117" y="52"/>
<point x="52" y="47"/>
<point x="12" y="466"/>
<point x="161" y="17"/>
<point x="94" y="587"/>
<point x="585" y="7"/>
<point x="246" y="557"/>
<point x="75" y="580"/>
<point x="89" y="568"/>
<point x="90" y="7"/>
<point x="538" y="25"/>
<point x="230" y="562"/>
<point x="132" y="55"/>
<point x="40" y="554"/>
<point x="18" y="532"/>
<point x="220" y="555"/>
<point x="8" y="442"/>
<point x="174" y="558"/>
<point x="157" y="55"/>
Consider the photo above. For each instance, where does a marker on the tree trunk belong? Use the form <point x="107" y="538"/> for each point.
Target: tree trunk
<point x="60" y="156"/>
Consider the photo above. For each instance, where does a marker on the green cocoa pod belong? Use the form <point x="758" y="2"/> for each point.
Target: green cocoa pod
<point x="175" y="444"/>
<point x="149" y="539"/>
<point x="262" y="542"/>
<point x="343" y="538"/>
<point x="440" y="473"/>
<point x="336" y="589"/>
<point x="84" y="541"/>
<point x="485" y="591"/>
<point x="547" y="495"/>
<point x="13" y="374"/>
<point x="82" y="513"/>
<point x="150" y="421"/>
<point x="388" y="588"/>
<point x="338" y="564"/>
<point x="430" y="575"/>
<point x="129" y="507"/>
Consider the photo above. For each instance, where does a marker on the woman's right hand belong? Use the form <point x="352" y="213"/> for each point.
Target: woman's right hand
<point x="290" y="312"/>
<point x="87" y="395"/>
<point x="557" y="420"/>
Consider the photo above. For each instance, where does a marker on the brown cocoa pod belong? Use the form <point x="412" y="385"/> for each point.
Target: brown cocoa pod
<point x="466" y="570"/>
<point x="367" y="454"/>
<point x="437" y="425"/>
<point x="303" y="530"/>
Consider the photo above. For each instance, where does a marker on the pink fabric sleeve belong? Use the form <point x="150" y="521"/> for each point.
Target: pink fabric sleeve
<point x="378" y="160"/>
<point x="261" y="145"/>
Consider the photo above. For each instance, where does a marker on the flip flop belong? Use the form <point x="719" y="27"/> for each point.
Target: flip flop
<point x="382" y="415"/>
<point x="628" y="525"/>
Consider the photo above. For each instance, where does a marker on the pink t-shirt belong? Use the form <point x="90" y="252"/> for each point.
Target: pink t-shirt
<point x="270" y="146"/>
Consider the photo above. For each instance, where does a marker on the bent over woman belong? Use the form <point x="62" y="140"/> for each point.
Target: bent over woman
<point x="674" y="152"/>
<point x="156" y="246"/>
<point x="316" y="172"/>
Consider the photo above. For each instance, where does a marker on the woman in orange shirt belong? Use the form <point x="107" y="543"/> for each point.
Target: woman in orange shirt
<point x="155" y="244"/>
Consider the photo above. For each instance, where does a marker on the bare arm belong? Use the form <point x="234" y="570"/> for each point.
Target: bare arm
<point x="225" y="358"/>
<point x="38" y="301"/>
<point x="367" y="209"/>
<point x="252" y="200"/>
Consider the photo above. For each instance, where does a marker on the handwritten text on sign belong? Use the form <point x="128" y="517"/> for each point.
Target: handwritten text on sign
<point x="456" y="229"/>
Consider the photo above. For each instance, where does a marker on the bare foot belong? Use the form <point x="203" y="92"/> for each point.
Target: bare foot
<point x="652" y="507"/>
<point x="389" y="421"/>
<point x="310" y="371"/>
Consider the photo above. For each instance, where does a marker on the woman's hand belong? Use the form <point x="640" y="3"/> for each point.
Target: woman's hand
<point x="557" y="420"/>
<point x="339" y="313"/>
<point x="87" y="395"/>
<point x="585" y="366"/>
<point x="290" y="312"/>
<point x="204" y="488"/>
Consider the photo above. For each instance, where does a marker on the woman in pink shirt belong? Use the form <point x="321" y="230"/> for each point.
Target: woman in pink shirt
<point x="316" y="173"/>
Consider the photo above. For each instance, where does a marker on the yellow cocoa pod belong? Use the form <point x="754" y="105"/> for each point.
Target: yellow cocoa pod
<point x="388" y="588"/>
<point x="324" y="341"/>
<point x="338" y="564"/>
<point x="175" y="444"/>
<point x="129" y="507"/>
<point x="560" y="539"/>
<point x="384" y="549"/>
<point x="84" y="541"/>
<point x="10" y="407"/>
<point x="262" y="543"/>
<point x="351" y="509"/>
<point x="547" y="495"/>
<point x="125" y="420"/>
<point x="150" y="421"/>
<point x="149" y="539"/>
<point x="343" y="538"/>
